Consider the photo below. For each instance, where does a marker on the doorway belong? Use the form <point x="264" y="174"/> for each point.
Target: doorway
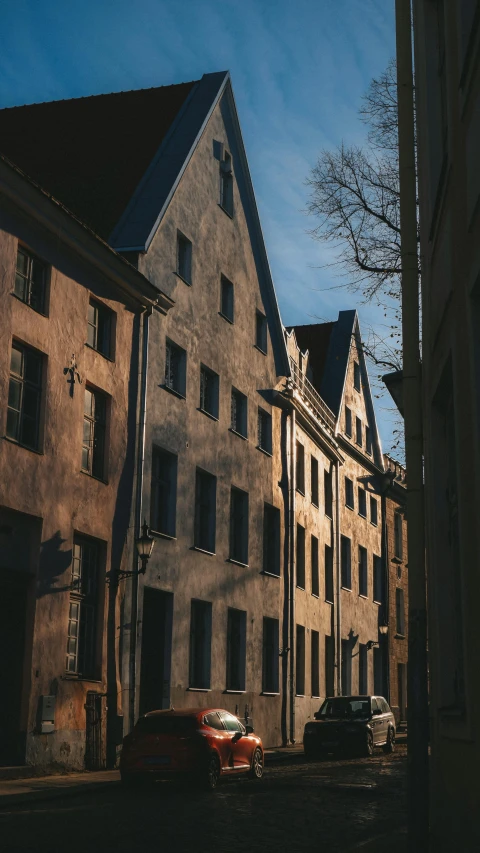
<point x="13" y="609"/>
<point x="156" y="654"/>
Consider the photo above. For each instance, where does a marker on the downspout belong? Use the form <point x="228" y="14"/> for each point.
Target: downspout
<point x="417" y="752"/>
<point x="292" y="532"/>
<point x="138" y="519"/>
<point x="386" y="592"/>
<point x="338" y="643"/>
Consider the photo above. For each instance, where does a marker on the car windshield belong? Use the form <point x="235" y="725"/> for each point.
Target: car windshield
<point x="160" y="725"/>
<point x="344" y="708"/>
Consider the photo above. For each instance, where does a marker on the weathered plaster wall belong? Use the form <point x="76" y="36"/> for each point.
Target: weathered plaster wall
<point x="49" y="485"/>
<point x="221" y="244"/>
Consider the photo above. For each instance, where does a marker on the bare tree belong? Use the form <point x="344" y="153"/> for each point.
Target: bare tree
<point x="355" y="197"/>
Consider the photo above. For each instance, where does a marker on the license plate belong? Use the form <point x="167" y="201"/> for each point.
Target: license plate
<point x="157" y="759"/>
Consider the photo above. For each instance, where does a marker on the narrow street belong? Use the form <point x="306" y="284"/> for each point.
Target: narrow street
<point x="302" y="806"/>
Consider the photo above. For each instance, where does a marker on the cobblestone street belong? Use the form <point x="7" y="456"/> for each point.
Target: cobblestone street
<point x="339" y="805"/>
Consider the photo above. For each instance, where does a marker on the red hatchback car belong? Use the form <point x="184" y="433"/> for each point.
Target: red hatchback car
<point x="201" y="743"/>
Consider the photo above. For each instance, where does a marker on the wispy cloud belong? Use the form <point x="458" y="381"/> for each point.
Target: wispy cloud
<point x="298" y="70"/>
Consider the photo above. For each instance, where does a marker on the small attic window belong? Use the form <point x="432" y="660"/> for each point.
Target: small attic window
<point x="261" y="332"/>
<point x="356" y="376"/>
<point x="226" y="184"/>
<point x="184" y="258"/>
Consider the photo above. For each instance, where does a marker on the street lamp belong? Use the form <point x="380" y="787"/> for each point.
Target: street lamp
<point x="144" y="545"/>
<point x="383" y="629"/>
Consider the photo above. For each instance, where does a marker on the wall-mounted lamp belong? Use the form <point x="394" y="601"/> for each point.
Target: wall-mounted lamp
<point x="144" y="545"/>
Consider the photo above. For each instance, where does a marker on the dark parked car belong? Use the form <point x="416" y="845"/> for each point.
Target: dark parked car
<point x="350" y="724"/>
<point x="200" y="743"/>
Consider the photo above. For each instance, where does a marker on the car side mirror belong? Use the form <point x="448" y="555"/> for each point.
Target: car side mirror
<point x="317" y="715"/>
<point x="249" y="730"/>
<point x="237" y="736"/>
<point x="376" y="712"/>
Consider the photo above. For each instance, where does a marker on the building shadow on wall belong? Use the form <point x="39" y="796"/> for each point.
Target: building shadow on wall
<point x="53" y="564"/>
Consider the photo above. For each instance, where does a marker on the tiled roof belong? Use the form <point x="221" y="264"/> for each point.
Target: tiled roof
<point x="90" y="153"/>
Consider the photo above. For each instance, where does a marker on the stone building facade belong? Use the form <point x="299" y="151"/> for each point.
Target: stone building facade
<point x="252" y="454"/>
<point x="70" y="311"/>
<point x="447" y="97"/>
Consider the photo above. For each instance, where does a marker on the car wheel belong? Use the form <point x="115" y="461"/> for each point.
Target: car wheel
<point x="390" y="744"/>
<point x="212" y="774"/>
<point x="256" y="771"/>
<point x="369" y="745"/>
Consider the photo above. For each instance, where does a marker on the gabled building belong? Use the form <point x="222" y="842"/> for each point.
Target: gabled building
<point x="71" y="312"/>
<point x="332" y="363"/>
<point x="204" y="625"/>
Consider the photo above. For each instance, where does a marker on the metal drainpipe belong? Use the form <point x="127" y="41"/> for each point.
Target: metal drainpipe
<point x="138" y="518"/>
<point x="417" y="751"/>
<point x="293" y="469"/>
<point x="338" y="643"/>
<point x="386" y="588"/>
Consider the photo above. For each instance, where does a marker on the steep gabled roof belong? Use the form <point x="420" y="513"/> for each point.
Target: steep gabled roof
<point x="329" y="346"/>
<point x="115" y="162"/>
<point x="91" y="153"/>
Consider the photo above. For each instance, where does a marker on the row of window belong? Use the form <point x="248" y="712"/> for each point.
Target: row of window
<point x="25" y="403"/>
<point x="209" y="397"/>
<point x="235" y="675"/>
<point x="31" y="277"/>
<point x="300" y="563"/>
<point x="346" y="570"/>
<point x="358" y="431"/>
<point x="362" y="501"/>
<point x="163" y="513"/>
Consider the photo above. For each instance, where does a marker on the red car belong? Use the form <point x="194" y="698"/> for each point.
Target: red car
<point x="203" y="743"/>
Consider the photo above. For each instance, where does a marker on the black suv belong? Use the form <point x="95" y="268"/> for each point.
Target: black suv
<point x="350" y="724"/>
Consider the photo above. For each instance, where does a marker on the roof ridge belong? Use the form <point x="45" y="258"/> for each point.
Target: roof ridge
<point x="99" y="95"/>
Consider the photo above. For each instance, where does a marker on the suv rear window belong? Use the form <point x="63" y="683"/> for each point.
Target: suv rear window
<point x="160" y="725"/>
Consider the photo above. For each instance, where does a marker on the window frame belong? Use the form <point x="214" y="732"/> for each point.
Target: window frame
<point x="349" y="493"/>
<point x="315" y="664"/>
<point x="107" y="317"/>
<point x="209" y="392"/>
<point x="348" y="422"/>
<point x="226" y="184"/>
<point x="346" y="562"/>
<point x="242" y="409"/>
<point x="400" y="612"/>
<point x="271" y="530"/>
<point x="264" y="419"/>
<point x="236" y="656"/>
<point x="270" y="656"/>
<point x="362" y="501"/>
<point x="315" y="565"/>
<point x="328" y="493"/>
<point x="98" y="432"/>
<point x="358" y="432"/>
<point x="26" y="298"/>
<point x="184" y="258"/>
<point x="239" y="526"/>
<point x="227" y="295"/>
<point x="314" y="481"/>
<point x="329" y="574"/>
<point x="378" y="580"/>
<point x="167" y="526"/>
<point x="300" y="467"/>
<point x="205" y="541"/>
<point x="300" y="545"/>
<point x="362" y="571"/>
<point x="300" y="660"/>
<point x="27" y="388"/>
<point x="373" y="515"/>
<point x="398" y="535"/>
<point x="85" y="601"/>
<point x="261" y="332"/>
<point x="357" y="376"/>
<point x="178" y="387"/>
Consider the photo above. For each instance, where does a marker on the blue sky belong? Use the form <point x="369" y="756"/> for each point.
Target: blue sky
<point x="298" y="71"/>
